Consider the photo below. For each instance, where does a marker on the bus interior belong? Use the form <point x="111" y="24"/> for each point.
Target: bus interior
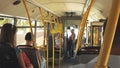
<point x="95" y="24"/>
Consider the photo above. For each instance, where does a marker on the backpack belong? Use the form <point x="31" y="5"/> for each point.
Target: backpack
<point x="8" y="56"/>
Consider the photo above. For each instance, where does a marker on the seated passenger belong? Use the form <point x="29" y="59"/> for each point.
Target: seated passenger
<point x="8" y="57"/>
<point x="29" y="44"/>
<point x="58" y="41"/>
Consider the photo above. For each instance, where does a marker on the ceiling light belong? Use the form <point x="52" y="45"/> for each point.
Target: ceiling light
<point x="16" y="2"/>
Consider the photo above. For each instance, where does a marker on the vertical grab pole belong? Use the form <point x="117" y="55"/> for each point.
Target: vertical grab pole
<point x="42" y="18"/>
<point x="57" y="21"/>
<point x="82" y="26"/>
<point x="52" y="40"/>
<point x="109" y="35"/>
<point x="53" y="50"/>
<point x="24" y="2"/>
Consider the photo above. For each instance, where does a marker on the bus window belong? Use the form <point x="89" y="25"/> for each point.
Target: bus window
<point x="4" y="20"/>
<point x="39" y="33"/>
<point x="23" y="27"/>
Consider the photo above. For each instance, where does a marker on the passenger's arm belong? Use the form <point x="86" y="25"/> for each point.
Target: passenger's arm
<point x="30" y="66"/>
<point x="39" y="56"/>
<point x="21" y="61"/>
<point x="26" y="60"/>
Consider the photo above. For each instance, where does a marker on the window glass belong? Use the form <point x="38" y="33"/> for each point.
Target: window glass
<point x="39" y="23"/>
<point x="21" y="32"/>
<point x="40" y="33"/>
<point x="4" y="20"/>
<point x="23" y="27"/>
<point x="22" y="22"/>
<point x="39" y="37"/>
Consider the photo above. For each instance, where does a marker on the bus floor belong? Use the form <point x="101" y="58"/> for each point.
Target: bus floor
<point x="68" y="62"/>
<point x="88" y="60"/>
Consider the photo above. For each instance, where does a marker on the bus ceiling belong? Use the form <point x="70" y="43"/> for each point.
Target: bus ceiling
<point x="100" y="9"/>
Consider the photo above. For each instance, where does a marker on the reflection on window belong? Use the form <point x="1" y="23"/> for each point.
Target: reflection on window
<point x="4" y="20"/>
<point x="21" y="22"/>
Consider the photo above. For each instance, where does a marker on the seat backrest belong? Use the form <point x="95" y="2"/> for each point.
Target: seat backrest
<point x="31" y="53"/>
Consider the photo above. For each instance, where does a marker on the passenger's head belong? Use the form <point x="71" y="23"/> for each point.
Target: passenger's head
<point x="28" y="38"/>
<point x="72" y="31"/>
<point x="58" y="34"/>
<point x="8" y="33"/>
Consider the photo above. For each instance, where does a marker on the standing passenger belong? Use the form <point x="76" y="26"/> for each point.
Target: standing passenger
<point x="71" y="43"/>
<point x="8" y="57"/>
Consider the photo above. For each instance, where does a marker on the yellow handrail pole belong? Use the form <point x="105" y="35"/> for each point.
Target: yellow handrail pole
<point x="50" y="20"/>
<point x="42" y="18"/>
<point x="56" y="20"/>
<point x="60" y="20"/>
<point x="82" y="26"/>
<point x="46" y="24"/>
<point x="53" y="50"/>
<point x="52" y="40"/>
<point x="24" y="2"/>
<point x="109" y="35"/>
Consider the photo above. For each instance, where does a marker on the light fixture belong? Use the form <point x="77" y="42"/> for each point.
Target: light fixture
<point x="70" y="14"/>
<point x="16" y="2"/>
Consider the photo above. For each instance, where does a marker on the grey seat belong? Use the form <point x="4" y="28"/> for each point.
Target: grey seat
<point x="32" y="55"/>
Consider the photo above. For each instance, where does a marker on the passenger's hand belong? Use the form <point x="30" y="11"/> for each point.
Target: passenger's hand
<point x="30" y="66"/>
